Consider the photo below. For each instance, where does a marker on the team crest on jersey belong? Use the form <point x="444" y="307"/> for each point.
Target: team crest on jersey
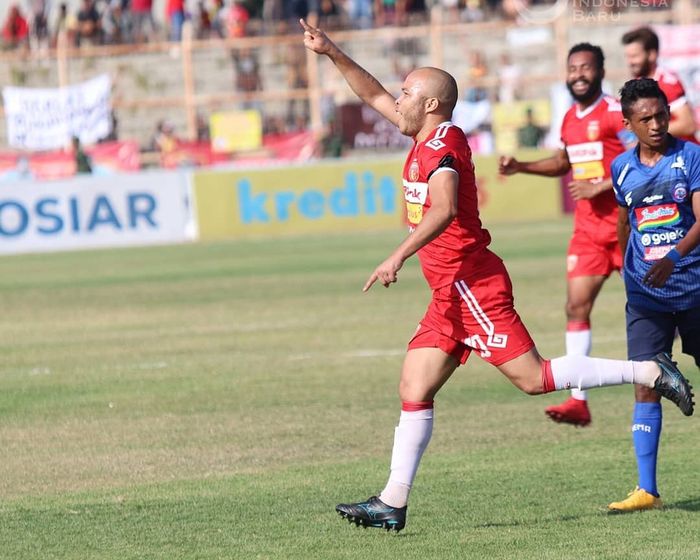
<point x="593" y="130"/>
<point x="413" y="171"/>
<point x="679" y="192"/>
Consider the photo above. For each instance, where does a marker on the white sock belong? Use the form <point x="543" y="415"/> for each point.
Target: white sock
<point x="582" y="372"/>
<point x="411" y="437"/>
<point x="578" y="343"/>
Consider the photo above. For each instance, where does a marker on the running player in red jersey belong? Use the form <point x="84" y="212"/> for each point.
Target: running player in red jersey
<point x="641" y="47"/>
<point x="472" y="304"/>
<point x="592" y="135"/>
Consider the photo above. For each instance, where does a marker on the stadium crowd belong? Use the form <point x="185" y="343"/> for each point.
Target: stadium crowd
<point x="36" y="23"/>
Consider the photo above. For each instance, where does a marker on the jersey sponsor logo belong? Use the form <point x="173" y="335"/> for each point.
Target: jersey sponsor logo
<point x="679" y="192"/>
<point x="656" y="253"/>
<point x="587" y="151"/>
<point x="413" y="171"/>
<point x="588" y="170"/>
<point x="414" y="213"/>
<point x="656" y="216"/>
<point x="415" y="192"/>
<point x="652" y="198"/>
<point x="664" y="237"/>
<point x="593" y="130"/>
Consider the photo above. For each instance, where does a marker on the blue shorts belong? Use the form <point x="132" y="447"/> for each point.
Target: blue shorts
<point x="650" y="332"/>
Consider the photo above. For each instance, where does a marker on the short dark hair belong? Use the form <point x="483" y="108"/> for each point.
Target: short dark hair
<point x="587" y="47"/>
<point x="643" y="35"/>
<point x="643" y="88"/>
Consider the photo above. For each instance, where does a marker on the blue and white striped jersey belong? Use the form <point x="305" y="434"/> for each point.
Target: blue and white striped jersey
<point x="658" y="202"/>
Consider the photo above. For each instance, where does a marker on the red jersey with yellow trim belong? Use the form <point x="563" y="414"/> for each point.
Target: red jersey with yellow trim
<point x="671" y="85"/>
<point x="445" y="150"/>
<point x="593" y="138"/>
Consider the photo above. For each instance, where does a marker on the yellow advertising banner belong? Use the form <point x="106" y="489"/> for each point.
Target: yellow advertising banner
<point x="347" y="195"/>
<point x="341" y="195"/>
<point x="233" y="131"/>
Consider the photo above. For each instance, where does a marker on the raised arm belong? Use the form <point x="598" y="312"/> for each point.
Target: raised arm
<point x="554" y="166"/>
<point x="365" y="86"/>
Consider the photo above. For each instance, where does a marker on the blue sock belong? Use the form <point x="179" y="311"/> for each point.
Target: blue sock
<point x="646" y="432"/>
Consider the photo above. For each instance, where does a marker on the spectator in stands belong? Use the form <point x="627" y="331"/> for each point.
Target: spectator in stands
<point x="40" y="24"/>
<point x="297" y="78"/>
<point x="360" y="13"/>
<point x="247" y="67"/>
<point x="324" y="13"/>
<point x="83" y="164"/>
<point x="332" y="141"/>
<point x="508" y="79"/>
<point x="236" y="19"/>
<point x="202" y="22"/>
<point x="389" y="12"/>
<point x="114" y="24"/>
<point x="203" y="132"/>
<point x="216" y="16"/>
<point x="478" y="70"/>
<point x="530" y="135"/>
<point x="473" y="11"/>
<point x="175" y="16"/>
<point x="61" y="25"/>
<point x="15" y="31"/>
<point x="164" y="139"/>
<point x="89" y="27"/>
<point x="143" y="26"/>
<point x="294" y="10"/>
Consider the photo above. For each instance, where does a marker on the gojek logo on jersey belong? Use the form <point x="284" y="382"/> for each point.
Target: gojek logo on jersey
<point x="367" y="197"/>
<point x="656" y="216"/>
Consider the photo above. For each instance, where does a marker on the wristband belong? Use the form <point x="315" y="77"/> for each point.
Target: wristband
<point x="674" y="255"/>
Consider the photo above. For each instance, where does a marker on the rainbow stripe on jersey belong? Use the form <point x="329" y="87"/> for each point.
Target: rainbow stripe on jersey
<point x="655" y="216"/>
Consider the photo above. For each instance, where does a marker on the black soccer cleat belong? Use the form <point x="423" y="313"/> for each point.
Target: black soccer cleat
<point x="374" y="513"/>
<point x="672" y="385"/>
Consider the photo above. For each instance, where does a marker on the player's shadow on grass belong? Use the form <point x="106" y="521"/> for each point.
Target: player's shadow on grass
<point x="692" y="504"/>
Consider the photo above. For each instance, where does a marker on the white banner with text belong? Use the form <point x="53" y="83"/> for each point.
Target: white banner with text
<point x="91" y="212"/>
<point x="47" y="118"/>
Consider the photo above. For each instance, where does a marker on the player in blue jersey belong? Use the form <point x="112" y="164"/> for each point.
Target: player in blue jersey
<point x="657" y="185"/>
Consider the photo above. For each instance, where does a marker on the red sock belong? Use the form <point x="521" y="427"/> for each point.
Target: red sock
<point x="575" y="326"/>
<point x="547" y="377"/>
<point x="413" y="406"/>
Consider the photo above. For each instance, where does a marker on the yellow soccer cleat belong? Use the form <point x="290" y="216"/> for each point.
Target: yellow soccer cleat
<point x="637" y="500"/>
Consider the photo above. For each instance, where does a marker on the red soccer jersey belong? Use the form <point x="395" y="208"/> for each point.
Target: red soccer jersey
<point x="592" y="139"/>
<point x="445" y="150"/>
<point x="671" y="85"/>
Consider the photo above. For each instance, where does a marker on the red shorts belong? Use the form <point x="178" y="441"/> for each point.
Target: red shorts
<point x="587" y="257"/>
<point x="475" y="313"/>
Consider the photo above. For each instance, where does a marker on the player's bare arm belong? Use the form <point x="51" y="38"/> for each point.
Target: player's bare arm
<point x="662" y="269"/>
<point x="443" y="196"/>
<point x="365" y="86"/>
<point x="683" y="122"/>
<point x="580" y="190"/>
<point x="554" y="166"/>
<point x="623" y="228"/>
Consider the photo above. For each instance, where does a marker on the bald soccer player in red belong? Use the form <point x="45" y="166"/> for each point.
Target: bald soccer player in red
<point x="472" y="301"/>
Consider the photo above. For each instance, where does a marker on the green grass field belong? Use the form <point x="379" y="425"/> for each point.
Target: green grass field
<point x="217" y="400"/>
